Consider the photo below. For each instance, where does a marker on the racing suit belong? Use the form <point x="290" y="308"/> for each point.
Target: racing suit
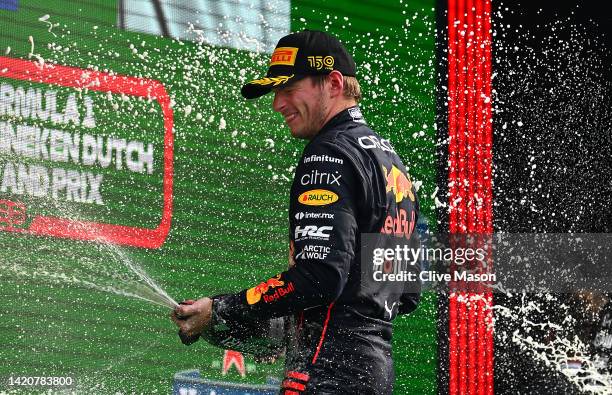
<point x="349" y="181"/>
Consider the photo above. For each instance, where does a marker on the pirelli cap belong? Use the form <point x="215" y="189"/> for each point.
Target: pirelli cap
<point x="298" y="55"/>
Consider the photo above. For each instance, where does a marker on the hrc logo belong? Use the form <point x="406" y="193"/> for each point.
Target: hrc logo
<point x="284" y="56"/>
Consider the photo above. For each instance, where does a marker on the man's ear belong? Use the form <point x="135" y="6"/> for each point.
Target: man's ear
<point x="336" y="82"/>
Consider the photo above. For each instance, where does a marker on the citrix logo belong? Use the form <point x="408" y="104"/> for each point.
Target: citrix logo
<point x="317" y="177"/>
<point x="312" y="231"/>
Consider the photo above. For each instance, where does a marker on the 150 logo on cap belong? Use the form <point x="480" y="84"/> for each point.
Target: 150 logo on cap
<point x="318" y="62"/>
<point x="284" y="56"/>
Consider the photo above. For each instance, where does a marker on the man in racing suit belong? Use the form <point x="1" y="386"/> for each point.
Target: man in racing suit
<point x="348" y="182"/>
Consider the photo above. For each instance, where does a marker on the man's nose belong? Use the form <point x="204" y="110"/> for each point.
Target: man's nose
<point x="279" y="102"/>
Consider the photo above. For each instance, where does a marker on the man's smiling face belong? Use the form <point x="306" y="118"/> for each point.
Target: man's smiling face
<point x="304" y="105"/>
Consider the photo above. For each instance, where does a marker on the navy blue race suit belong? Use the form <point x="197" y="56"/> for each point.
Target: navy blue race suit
<point x="349" y="181"/>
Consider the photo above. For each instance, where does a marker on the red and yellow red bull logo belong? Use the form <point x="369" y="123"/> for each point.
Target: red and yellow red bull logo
<point x="279" y="293"/>
<point x="399" y="183"/>
<point x="253" y="295"/>
<point x="399" y="225"/>
<point x="284" y="56"/>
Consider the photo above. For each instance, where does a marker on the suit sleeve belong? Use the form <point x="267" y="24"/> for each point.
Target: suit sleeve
<point x="323" y="231"/>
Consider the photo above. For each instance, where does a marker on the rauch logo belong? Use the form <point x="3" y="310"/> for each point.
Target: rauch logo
<point x="318" y="197"/>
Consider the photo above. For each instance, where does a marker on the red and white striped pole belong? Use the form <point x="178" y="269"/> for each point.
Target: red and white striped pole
<point x="470" y="186"/>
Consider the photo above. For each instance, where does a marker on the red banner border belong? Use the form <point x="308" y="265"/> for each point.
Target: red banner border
<point x="75" y="77"/>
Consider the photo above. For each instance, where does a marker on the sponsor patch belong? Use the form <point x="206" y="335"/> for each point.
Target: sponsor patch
<point x="400" y="225"/>
<point x="318" y="197"/>
<point x="323" y="158"/>
<point x="254" y="294"/>
<point x="399" y="184"/>
<point x="372" y="142"/>
<point x="356" y="114"/>
<point x="313" y="252"/>
<point x="319" y="62"/>
<point x="302" y="215"/>
<point x="279" y="293"/>
<point x="316" y="177"/>
<point x="312" y="232"/>
<point x="284" y="56"/>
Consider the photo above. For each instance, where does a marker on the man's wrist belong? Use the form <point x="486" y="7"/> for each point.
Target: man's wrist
<point x="227" y="308"/>
<point x="217" y="322"/>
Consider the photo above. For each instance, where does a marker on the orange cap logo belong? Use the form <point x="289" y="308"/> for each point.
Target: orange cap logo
<point x="284" y="56"/>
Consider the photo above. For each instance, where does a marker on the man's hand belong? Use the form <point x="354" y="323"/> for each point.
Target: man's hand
<point x="192" y="318"/>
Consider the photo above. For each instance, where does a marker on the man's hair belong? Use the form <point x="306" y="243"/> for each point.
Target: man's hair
<point x="352" y="90"/>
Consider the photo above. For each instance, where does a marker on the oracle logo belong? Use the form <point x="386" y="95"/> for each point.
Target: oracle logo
<point x="372" y="142"/>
